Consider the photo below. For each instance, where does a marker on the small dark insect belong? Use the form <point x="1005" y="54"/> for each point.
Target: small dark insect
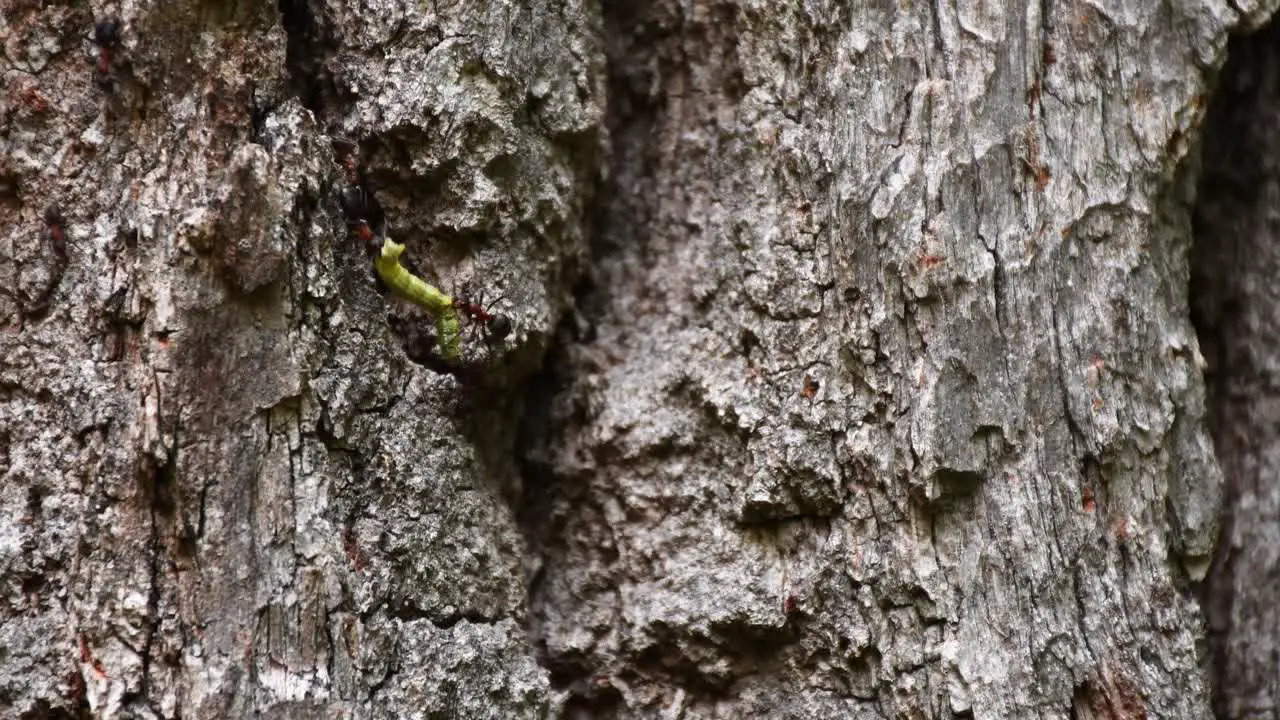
<point x="54" y="218"/>
<point x="57" y="224"/>
<point x="351" y="166"/>
<point x="355" y="206"/>
<point x="260" y="108"/>
<point x="811" y="387"/>
<point x="106" y="35"/>
<point x="351" y="545"/>
<point x="494" y="328"/>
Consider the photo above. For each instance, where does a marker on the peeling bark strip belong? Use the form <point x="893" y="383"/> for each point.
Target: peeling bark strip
<point x="1235" y="266"/>
<point x="880" y="400"/>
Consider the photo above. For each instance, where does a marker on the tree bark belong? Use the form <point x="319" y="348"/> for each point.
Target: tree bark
<point x="1234" y="268"/>
<point x="852" y="372"/>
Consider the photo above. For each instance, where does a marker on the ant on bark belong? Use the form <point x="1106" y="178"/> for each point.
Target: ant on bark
<point x="357" y="206"/>
<point x="106" y="35"/>
<point x="493" y="328"/>
<point x="57" y="224"/>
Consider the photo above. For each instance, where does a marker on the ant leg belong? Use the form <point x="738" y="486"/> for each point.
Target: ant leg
<point x="497" y="326"/>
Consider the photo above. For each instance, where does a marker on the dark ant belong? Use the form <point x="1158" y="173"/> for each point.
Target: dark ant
<point x="57" y="224"/>
<point x="356" y="206"/>
<point x="106" y="35"/>
<point x="494" y="328"/>
<point x="351" y="166"/>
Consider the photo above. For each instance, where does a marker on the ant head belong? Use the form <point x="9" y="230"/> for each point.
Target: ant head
<point x="499" y="328"/>
<point x="53" y="215"/>
<point x="107" y="32"/>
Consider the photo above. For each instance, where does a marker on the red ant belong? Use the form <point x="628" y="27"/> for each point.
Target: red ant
<point x="494" y="328"/>
<point x="57" y="224"/>
<point x="106" y="34"/>
<point x="86" y="656"/>
<point x="367" y="236"/>
<point x="355" y="206"/>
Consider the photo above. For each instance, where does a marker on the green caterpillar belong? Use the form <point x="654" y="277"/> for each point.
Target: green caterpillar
<point x="413" y="288"/>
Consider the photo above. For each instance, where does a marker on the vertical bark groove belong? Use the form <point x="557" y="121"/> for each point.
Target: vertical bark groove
<point x="1236" y="309"/>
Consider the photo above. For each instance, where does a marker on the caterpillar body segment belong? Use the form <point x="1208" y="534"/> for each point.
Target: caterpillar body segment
<point x="414" y="289"/>
<point x="406" y="283"/>
<point x="449" y="334"/>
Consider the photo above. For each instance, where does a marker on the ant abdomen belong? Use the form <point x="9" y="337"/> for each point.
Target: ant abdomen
<point x="499" y="327"/>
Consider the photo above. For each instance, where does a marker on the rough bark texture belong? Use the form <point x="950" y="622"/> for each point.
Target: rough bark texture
<point x="893" y="405"/>
<point x="862" y="385"/>
<point x="226" y="489"/>
<point x="1237" y="311"/>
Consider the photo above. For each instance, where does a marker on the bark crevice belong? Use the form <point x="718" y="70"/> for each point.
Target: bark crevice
<point x="1234" y="265"/>
<point x="304" y="55"/>
<point x="552" y="403"/>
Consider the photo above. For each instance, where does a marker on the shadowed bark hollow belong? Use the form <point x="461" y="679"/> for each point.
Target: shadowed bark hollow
<point x="1236" y="308"/>
<point x="851" y="371"/>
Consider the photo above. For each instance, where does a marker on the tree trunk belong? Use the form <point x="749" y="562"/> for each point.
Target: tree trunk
<point x="1234" y="269"/>
<point x="852" y="371"/>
